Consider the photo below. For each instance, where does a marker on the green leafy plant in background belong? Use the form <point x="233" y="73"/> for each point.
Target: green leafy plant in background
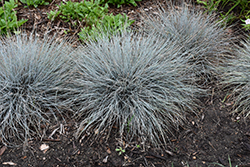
<point x="88" y="12"/>
<point x="109" y="24"/>
<point x="230" y="10"/>
<point x="35" y="3"/>
<point x="120" y="2"/>
<point x="246" y="24"/>
<point x="93" y="17"/>
<point x="211" y="6"/>
<point x="8" y="18"/>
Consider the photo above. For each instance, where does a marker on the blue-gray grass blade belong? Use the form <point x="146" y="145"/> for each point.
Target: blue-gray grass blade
<point x="33" y="77"/>
<point x="133" y="79"/>
<point x="202" y="34"/>
<point x="236" y="77"/>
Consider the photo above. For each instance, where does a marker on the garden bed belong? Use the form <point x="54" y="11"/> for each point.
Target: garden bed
<point x="212" y="136"/>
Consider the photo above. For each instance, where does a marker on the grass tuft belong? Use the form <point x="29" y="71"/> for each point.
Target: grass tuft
<point x="32" y="75"/>
<point x="237" y="76"/>
<point x="193" y="31"/>
<point x="133" y="82"/>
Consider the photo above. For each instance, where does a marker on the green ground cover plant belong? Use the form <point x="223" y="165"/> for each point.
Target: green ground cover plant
<point x="35" y="3"/>
<point x="88" y="12"/>
<point x="92" y="17"/>
<point x="32" y="75"/>
<point x="109" y="24"/>
<point x="8" y="18"/>
<point x="132" y="79"/>
<point x="120" y="2"/>
<point x="229" y="10"/>
<point x="197" y="32"/>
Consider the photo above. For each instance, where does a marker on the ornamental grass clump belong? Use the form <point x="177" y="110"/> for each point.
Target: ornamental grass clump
<point x="236" y="76"/>
<point x="133" y="82"/>
<point x="32" y="78"/>
<point x="193" y="31"/>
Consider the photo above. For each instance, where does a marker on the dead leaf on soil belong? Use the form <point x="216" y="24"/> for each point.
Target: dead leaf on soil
<point x="108" y="151"/>
<point x="44" y="147"/>
<point x="2" y="150"/>
<point x="9" y="163"/>
<point x="105" y="160"/>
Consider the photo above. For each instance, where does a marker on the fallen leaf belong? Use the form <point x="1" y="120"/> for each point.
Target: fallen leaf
<point x="2" y="150"/>
<point x="44" y="148"/>
<point x="105" y="160"/>
<point x="108" y="151"/>
<point x="125" y="157"/>
<point x="9" y="163"/>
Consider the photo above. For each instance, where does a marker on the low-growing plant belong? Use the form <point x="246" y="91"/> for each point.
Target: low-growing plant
<point x="237" y="75"/>
<point x="93" y="16"/>
<point x="246" y="24"/>
<point x="120" y="150"/>
<point x="230" y="10"/>
<point x="133" y="79"/>
<point x="32" y="78"/>
<point x="35" y="3"/>
<point x="109" y="24"/>
<point x="193" y="31"/>
<point x="88" y="12"/>
<point x="120" y="2"/>
<point x="8" y="18"/>
<point x="211" y="6"/>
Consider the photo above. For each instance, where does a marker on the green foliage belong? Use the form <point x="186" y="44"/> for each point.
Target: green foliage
<point x="120" y="2"/>
<point x="94" y="18"/>
<point x="133" y="79"/>
<point x="211" y="6"/>
<point x="246" y="24"/>
<point x="109" y="24"/>
<point x="8" y="18"/>
<point x="120" y="150"/>
<point x="88" y="12"/>
<point x="32" y="78"/>
<point x="230" y="10"/>
<point x="35" y="3"/>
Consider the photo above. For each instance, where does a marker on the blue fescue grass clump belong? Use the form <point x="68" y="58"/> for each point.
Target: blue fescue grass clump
<point x="133" y="82"/>
<point x="236" y="76"/>
<point x="196" y="31"/>
<point x="32" y="75"/>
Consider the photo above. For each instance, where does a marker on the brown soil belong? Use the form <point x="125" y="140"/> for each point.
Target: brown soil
<point x="211" y="137"/>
